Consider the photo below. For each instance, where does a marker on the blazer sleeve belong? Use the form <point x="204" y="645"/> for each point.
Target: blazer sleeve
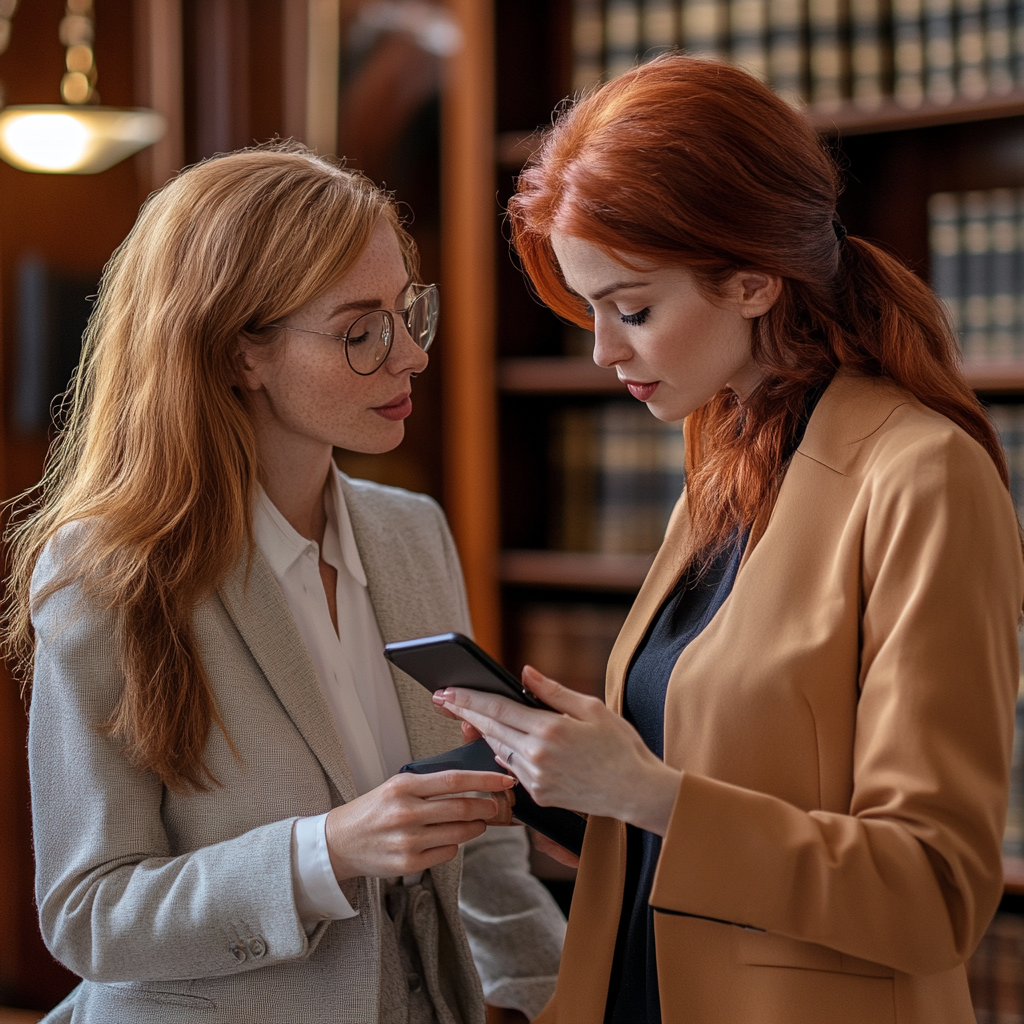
<point x="911" y="875"/>
<point x="114" y="905"/>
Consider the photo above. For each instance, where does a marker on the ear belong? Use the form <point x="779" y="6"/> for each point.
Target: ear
<point x="248" y="364"/>
<point x="753" y="291"/>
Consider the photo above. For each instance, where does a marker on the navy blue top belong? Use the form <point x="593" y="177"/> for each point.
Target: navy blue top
<point x="633" y="995"/>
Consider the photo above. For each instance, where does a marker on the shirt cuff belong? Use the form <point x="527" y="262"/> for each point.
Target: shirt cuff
<point x="318" y="897"/>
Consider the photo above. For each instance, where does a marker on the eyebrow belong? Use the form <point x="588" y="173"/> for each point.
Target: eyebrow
<point x="366" y="305"/>
<point x="617" y="287"/>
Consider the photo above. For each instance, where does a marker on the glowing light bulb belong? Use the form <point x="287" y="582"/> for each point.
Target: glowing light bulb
<point x="46" y="142"/>
<point x="74" y="139"/>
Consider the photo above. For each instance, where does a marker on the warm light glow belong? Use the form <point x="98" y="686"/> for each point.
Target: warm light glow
<point x="74" y="140"/>
<point x="45" y="142"/>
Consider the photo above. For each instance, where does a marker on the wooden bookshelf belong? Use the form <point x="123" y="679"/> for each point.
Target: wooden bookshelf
<point x="576" y="570"/>
<point x="1013" y="875"/>
<point x="890" y="116"/>
<point x="1002" y="378"/>
<point x="557" y="375"/>
<point x="513" y="149"/>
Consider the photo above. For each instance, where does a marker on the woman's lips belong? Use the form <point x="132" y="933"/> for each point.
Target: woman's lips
<point x="641" y="391"/>
<point x="395" y="410"/>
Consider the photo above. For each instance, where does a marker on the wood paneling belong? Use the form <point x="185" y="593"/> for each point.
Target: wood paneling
<point x="469" y="219"/>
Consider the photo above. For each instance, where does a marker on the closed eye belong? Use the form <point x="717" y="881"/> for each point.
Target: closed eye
<point x="636" y="319"/>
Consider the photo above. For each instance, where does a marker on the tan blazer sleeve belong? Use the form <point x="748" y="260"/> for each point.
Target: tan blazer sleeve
<point x="912" y="874"/>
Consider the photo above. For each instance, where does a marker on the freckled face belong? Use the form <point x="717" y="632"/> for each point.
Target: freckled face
<point x="305" y="392"/>
<point x="673" y="346"/>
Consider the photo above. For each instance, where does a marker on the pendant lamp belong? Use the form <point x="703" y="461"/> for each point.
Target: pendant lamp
<point x="78" y="136"/>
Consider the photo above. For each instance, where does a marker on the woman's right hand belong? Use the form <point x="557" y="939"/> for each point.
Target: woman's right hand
<point x="397" y="829"/>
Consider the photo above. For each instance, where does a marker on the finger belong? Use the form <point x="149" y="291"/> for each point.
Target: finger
<point x="492" y="729"/>
<point x="451" y="781"/>
<point x="555" y="695"/>
<point x="553" y="850"/>
<point x="442" y="809"/>
<point x="501" y="709"/>
<point x="469" y="733"/>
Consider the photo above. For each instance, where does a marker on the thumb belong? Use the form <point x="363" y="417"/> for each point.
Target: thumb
<point x="555" y="695"/>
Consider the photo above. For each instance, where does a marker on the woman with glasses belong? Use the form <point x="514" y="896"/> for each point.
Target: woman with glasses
<point x="201" y="599"/>
<point x="797" y="789"/>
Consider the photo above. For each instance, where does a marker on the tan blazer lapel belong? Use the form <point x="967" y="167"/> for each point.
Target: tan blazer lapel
<point x="259" y="611"/>
<point x="402" y="612"/>
<point x="656" y="587"/>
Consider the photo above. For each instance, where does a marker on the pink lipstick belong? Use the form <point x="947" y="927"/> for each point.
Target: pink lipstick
<point x="640" y="391"/>
<point x="397" y="409"/>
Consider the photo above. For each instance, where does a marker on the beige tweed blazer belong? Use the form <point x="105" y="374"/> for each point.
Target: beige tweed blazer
<point x="179" y="907"/>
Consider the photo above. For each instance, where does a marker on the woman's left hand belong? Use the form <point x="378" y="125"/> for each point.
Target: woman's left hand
<point x="585" y="757"/>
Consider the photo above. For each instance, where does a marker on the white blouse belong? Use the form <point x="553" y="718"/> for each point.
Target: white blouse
<point x="353" y="675"/>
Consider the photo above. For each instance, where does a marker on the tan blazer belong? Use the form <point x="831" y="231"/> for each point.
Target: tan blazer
<point x="844" y="726"/>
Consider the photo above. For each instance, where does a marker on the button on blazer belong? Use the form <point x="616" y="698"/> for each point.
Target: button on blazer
<point x="178" y="907"/>
<point x="844" y="727"/>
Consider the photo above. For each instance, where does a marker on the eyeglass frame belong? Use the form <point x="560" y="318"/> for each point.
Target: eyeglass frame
<point x="389" y="315"/>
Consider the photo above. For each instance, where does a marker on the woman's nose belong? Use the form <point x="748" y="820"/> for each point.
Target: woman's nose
<point x="406" y="355"/>
<point x="609" y="350"/>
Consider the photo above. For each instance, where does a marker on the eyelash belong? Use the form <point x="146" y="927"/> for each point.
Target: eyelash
<point x="636" y="319"/>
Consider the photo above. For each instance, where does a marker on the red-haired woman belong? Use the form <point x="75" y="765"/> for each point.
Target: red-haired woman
<point x="798" y="786"/>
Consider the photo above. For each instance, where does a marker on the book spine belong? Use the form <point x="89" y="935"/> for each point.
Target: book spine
<point x="659" y="27"/>
<point x="866" y="55"/>
<point x="977" y="247"/>
<point x="1018" y="274"/>
<point x="1002" y="272"/>
<point x="587" y="44"/>
<point x="998" y="46"/>
<point x="704" y="27"/>
<point x="945" y="239"/>
<point x="938" y="50"/>
<point x="1017" y="41"/>
<point x="786" y="23"/>
<point x="908" y="52"/>
<point x="970" y="50"/>
<point x="641" y="465"/>
<point x="749" y="40"/>
<point x="826" y="58"/>
<point x="575" y="471"/>
<point x="622" y="35"/>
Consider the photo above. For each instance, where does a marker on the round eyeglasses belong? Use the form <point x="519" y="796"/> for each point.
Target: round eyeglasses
<point x="369" y="339"/>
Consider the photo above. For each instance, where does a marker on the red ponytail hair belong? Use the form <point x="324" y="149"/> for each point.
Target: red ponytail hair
<point x="695" y="163"/>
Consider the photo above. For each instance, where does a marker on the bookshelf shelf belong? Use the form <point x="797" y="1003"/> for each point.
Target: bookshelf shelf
<point x="578" y="375"/>
<point x="554" y="375"/>
<point x="576" y="570"/>
<point x="513" y="149"/>
<point x="1013" y="875"/>
<point x="890" y="116"/>
<point x="1003" y="377"/>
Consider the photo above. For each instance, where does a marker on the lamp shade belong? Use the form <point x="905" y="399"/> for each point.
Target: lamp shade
<point x="64" y="139"/>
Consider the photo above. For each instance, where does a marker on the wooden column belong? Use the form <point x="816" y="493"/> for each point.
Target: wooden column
<point x="468" y="304"/>
<point x="159" y="86"/>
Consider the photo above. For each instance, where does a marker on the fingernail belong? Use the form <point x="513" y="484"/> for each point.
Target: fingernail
<point x="437" y="698"/>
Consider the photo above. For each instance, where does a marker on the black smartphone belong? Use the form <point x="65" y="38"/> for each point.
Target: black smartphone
<point x="451" y="659"/>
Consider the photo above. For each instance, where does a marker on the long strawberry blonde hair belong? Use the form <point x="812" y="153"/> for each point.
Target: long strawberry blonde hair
<point x="694" y="163"/>
<point x="157" y="454"/>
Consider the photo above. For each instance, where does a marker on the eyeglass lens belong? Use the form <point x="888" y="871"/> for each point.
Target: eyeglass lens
<point x="369" y="338"/>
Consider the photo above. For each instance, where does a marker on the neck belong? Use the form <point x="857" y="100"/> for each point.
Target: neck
<point x="294" y="474"/>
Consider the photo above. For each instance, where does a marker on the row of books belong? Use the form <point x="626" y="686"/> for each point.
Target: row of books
<point x="618" y="473"/>
<point x="996" y="972"/>
<point x="569" y="642"/>
<point x="976" y="241"/>
<point x="823" y="52"/>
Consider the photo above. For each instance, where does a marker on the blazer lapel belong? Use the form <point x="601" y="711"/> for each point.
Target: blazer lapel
<point x="656" y="587"/>
<point x="402" y="612"/>
<point x="261" y="615"/>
